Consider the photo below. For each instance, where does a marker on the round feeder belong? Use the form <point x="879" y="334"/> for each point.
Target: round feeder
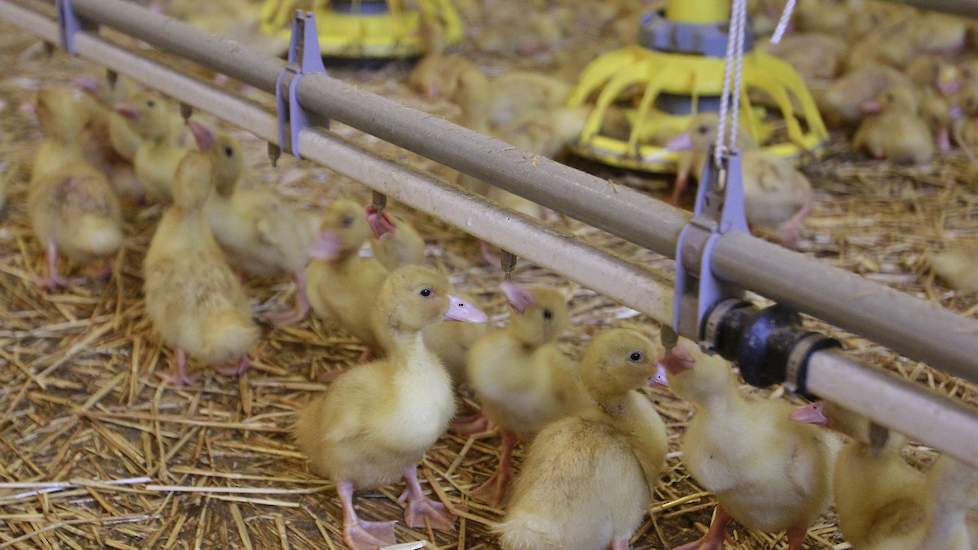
<point x="644" y="94"/>
<point x="366" y="29"/>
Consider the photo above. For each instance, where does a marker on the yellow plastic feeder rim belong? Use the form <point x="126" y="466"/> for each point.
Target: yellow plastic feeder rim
<point x="362" y="32"/>
<point x="635" y="78"/>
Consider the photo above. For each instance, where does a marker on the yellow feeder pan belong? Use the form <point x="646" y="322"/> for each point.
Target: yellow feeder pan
<point x="678" y="72"/>
<point x="372" y="29"/>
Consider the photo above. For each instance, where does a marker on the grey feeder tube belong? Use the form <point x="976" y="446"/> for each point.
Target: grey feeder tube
<point x="895" y="320"/>
<point x="883" y="398"/>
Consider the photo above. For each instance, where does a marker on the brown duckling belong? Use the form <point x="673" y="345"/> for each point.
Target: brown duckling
<point x="588" y="480"/>
<point x="72" y="206"/>
<point x="522" y="379"/>
<point x="193" y="298"/>
<point x="767" y="471"/>
<point x="376" y="421"/>
<point x="895" y="130"/>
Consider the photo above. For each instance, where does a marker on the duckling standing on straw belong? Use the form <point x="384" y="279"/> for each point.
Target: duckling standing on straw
<point x="522" y="380"/>
<point x="193" y="298"/>
<point x="263" y="234"/>
<point x="768" y="472"/>
<point x="376" y="421"/>
<point x="588" y="479"/>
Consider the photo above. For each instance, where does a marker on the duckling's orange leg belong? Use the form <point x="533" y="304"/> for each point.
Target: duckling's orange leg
<point x="179" y="375"/>
<point x="54" y="280"/>
<point x="494" y="489"/>
<point x="298" y="313"/>
<point x="420" y="508"/>
<point x="359" y="534"/>
<point x="470" y="425"/>
<point x="682" y="181"/>
<point x="796" y="536"/>
<point x="713" y="540"/>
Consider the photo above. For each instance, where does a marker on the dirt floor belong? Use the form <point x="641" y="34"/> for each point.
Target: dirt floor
<point x="107" y="456"/>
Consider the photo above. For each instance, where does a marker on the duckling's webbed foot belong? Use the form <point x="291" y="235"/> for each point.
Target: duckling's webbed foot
<point x="493" y="491"/>
<point x="235" y="370"/>
<point x="420" y="508"/>
<point x="179" y="376"/>
<point x="471" y="425"/>
<point x="360" y="534"/>
<point x="290" y="316"/>
<point x="713" y="539"/>
<point x="54" y="280"/>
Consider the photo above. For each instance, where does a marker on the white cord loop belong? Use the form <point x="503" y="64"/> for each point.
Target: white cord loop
<point x="782" y="26"/>
<point x="732" y="74"/>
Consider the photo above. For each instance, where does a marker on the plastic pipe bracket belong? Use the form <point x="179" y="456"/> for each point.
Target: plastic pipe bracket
<point x="69" y="24"/>
<point x="719" y="210"/>
<point x="304" y="58"/>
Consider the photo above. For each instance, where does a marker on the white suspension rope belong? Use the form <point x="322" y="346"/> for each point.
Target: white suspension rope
<point x="782" y="26"/>
<point x="732" y="76"/>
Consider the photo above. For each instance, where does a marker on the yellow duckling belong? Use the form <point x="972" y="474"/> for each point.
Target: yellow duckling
<point x="516" y="94"/>
<point x="436" y="74"/>
<point x="841" y="103"/>
<point x="340" y="284"/>
<point x="157" y="157"/>
<point x="768" y="472"/>
<point x="588" y="479"/>
<point x="452" y="342"/>
<point x="71" y="205"/>
<point x="815" y="56"/>
<point x="264" y="235"/>
<point x="376" y="421"/>
<point x="394" y="242"/>
<point x="193" y="298"/>
<point x="776" y="195"/>
<point x="522" y="380"/>
<point x="895" y="131"/>
<point x="885" y="504"/>
<point x="958" y="267"/>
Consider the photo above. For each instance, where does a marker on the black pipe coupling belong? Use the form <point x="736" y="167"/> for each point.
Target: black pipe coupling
<point x="769" y="345"/>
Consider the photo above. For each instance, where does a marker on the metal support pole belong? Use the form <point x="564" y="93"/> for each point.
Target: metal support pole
<point x="910" y="326"/>
<point x="882" y="398"/>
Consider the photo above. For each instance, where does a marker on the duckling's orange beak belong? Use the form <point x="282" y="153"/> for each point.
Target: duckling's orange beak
<point x="379" y="223"/>
<point x="871" y="106"/>
<point x="676" y="361"/>
<point x="460" y="310"/>
<point x="813" y="413"/>
<point x="202" y="135"/>
<point x="326" y="246"/>
<point x="682" y="142"/>
<point x="129" y="111"/>
<point x="518" y="297"/>
<point x="659" y="378"/>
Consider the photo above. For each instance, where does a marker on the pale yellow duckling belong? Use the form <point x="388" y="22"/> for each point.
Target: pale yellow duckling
<point x="588" y="479"/>
<point x="768" y="472"/>
<point x="157" y="157"/>
<point x="193" y="298"/>
<point x="519" y="93"/>
<point x="436" y="74"/>
<point x="522" y="379"/>
<point x="815" y="56"/>
<point x="376" y="421"/>
<point x="342" y="285"/>
<point x="777" y="196"/>
<point x="72" y="208"/>
<point x="885" y="504"/>
<point x="452" y="341"/>
<point x="264" y="235"/>
<point x="393" y="241"/>
<point x="841" y="103"/>
<point x="895" y="131"/>
<point x="958" y="267"/>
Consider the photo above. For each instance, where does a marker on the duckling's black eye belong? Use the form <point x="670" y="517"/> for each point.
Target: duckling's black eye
<point x="635" y="357"/>
<point x="228" y="151"/>
<point x="151" y="103"/>
<point x="702" y="129"/>
<point x="425" y="292"/>
<point x="347" y="221"/>
<point x="547" y="314"/>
